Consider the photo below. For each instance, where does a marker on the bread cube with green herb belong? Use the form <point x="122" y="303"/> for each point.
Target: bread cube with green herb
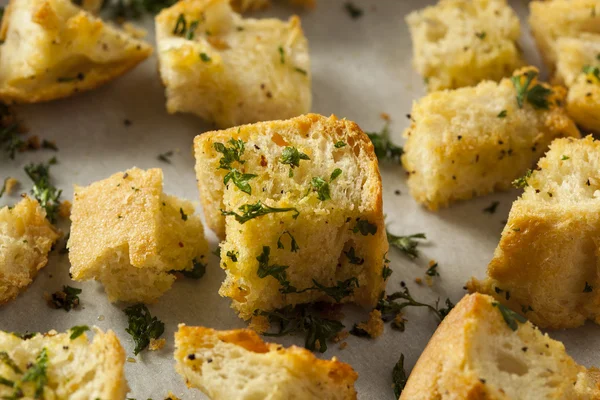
<point x="230" y="70"/>
<point x="53" y="49"/>
<point x="237" y="364"/>
<point x="472" y="141"/>
<point x="546" y="264"/>
<point x="579" y="68"/>
<point x="26" y="238"/>
<point x="299" y="206"/>
<point x="552" y="21"/>
<point x="130" y="236"/>
<point x="459" y="43"/>
<point x="62" y="366"/>
<point x="483" y="350"/>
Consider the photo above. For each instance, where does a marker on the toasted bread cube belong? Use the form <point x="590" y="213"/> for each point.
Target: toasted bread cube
<point x="459" y="43"/>
<point x="472" y="141"/>
<point x="26" y="238"/>
<point x="579" y="68"/>
<point x="323" y="236"/>
<point x="237" y="364"/>
<point x="129" y="235"/>
<point x="231" y="70"/>
<point x="555" y="19"/>
<point x="74" y="368"/>
<point x="476" y="354"/>
<point x="546" y="264"/>
<point x="53" y="49"/>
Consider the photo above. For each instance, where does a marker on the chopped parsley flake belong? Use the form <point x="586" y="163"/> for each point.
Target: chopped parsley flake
<point x="510" y="317"/>
<point x="198" y="270"/>
<point x="67" y="298"/>
<point x="250" y="211"/>
<point x="406" y="244"/>
<point x="44" y="192"/>
<point x="354" y="11"/>
<point x="321" y="187"/>
<point x="183" y="214"/>
<point x="293" y="245"/>
<point x="522" y="181"/>
<point x="588" y="288"/>
<point x="291" y="156"/>
<point x="205" y="57"/>
<point x="142" y="326"/>
<point x="385" y="150"/>
<point x="491" y="209"/>
<point x="365" y="227"/>
<point x="233" y="255"/>
<point x="78" y="330"/>
<point x="537" y="95"/>
<point x="166" y="156"/>
<point x="391" y="308"/>
<point x="399" y="377"/>
<point x="340" y="144"/>
<point x="432" y="271"/>
<point x="564" y="158"/>
<point x="502" y="114"/>
<point x="589" y="70"/>
<point x="481" y="35"/>
<point x="281" y="55"/>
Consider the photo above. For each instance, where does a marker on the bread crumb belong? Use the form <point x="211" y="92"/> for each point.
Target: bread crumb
<point x="64" y="209"/>
<point x="260" y="324"/>
<point x="157" y="344"/>
<point x="131" y="360"/>
<point x="418" y="281"/>
<point x="343" y="345"/>
<point x="171" y="396"/>
<point x="374" y="326"/>
<point x="340" y="336"/>
<point x="385" y="116"/>
<point x="10" y="184"/>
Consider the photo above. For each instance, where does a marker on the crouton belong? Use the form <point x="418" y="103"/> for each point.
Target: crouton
<point x="230" y="70"/>
<point x="459" y="43"/>
<point x="472" y="141"/>
<point x="579" y="68"/>
<point x="237" y="364"/>
<point x="53" y="49"/>
<point x="299" y="205"/>
<point x="129" y="235"/>
<point x="546" y="264"/>
<point x="26" y="238"/>
<point x="555" y="19"/>
<point x="483" y="351"/>
<point x="62" y="366"/>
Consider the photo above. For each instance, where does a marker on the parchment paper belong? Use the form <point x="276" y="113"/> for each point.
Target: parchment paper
<point x="361" y="68"/>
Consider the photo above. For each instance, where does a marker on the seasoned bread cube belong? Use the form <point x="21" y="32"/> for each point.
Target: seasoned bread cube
<point x="231" y="70"/>
<point x="129" y="235"/>
<point x="546" y="265"/>
<point x="459" y="43"/>
<point x="555" y="19"/>
<point x="579" y="68"/>
<point x="53" y="49"/>
<point x="482" y="351"/>
<point x="26" y="238"/>
<point x="299" y="205"/>
<point x="238" y="365"/>
<point x="64" y="366"/>
<point x="472" y="141"/>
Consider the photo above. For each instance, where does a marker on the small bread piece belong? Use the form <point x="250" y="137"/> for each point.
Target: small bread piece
<point x="231" y="70"/>
<point x="53" y="49"/>
<point x="129" y="235"/>
<point x="26" y="238"/>
<point x="459" y="43"/>
<point x="472" y="141"/>
<point x="75" y="369"/>
<point x="555" y="19"/>
<point x="579" y="68"/>
<point x="238" y="365"/>
<point x="546" y="264"/>
<point x="322" y="237"/>
<point x="475" y="354"/>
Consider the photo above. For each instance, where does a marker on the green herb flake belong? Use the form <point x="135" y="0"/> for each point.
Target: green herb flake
<point x="407" y="244"/>
<point x="321" y="187"/>
<point x="67" y="298"/>
<point x="336" y="173"/>
<point x="165" y="157"/>
<point x="291" y="156"/>
<point x="239" y="179"/>
<point x="510" y="317"/>
<point x="142" y="326"/>
<point x="340" y="144"/>
<point x="180" y="26"/>
<point x="352" y="10"/>
<point x="196" y="272"/>
<point x="564" y="158"/>
<point x="502" y="114"/>
<point x="353" y="258"/>
<point x="399" y="377"/>
<point x="276" y="271"/>
<point x="432" y="270"/>
<point x="281" y="54"/>
<point x="293" y="244"/>
<point x="5" y="359"/>
<point x="36" y="374"/>
<point x="364" y="227"/>
<point x="385" y="150"/>
<point x="78" y="330"/>
<point x="594" y="71"/>
<point x="300" y="70"/>
<point x="537" y="95"/>
<point x="43" y="191"/>
<point x="522" y="181"/>
<point x="481" y="35"/>
<point x="390" y="307"/>
<point x="233" y="255"/>
<point x="183" y="214"/>
<point x="205" y="57"/>
<point x="251" y="211"/>
<point x="588" y="288"/>
<point x="386" y="272"/>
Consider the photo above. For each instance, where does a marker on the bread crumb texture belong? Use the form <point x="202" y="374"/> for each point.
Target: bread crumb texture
<point x="68" y="369"/>
<point x="26" y="238"/>
<point x="129" y="235"/>
<point x="231" y="70"/>
<point x="237" y="364"/>
<point x="551" y="21"/>
<point x="546" y="264"/>
<point x="53" y="49"/>
<point x="459" y="43"/>
<point x="316" y="221"/>
<point x="474" y="354"/>
<point x="472" y="141"/>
